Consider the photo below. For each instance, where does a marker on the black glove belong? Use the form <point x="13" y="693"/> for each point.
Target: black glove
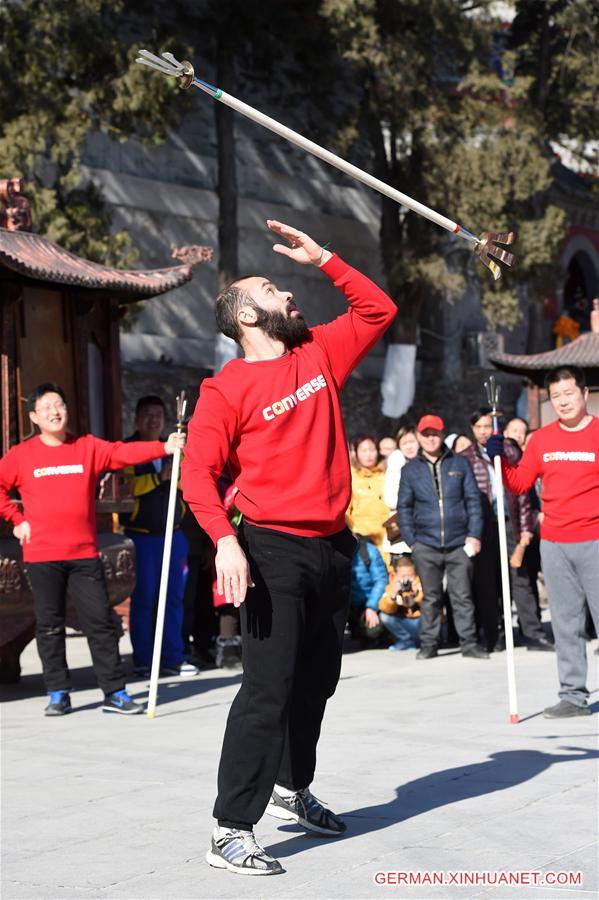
<point x="494" y="446"/>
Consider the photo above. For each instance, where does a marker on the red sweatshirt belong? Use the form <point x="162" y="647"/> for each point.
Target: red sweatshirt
<point x="58" y="487"/>
<point x="278" y="423"/>
<point x="568" y="463"/>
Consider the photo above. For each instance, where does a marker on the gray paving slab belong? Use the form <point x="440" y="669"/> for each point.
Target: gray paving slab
<point x="419" y="757"/>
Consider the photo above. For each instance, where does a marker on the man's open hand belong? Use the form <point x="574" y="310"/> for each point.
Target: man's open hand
<point x="22" y="533"/>
<point x="175" y="441"/>
<point x="233" y="576"/>
<point x="474" y="544"/>
<point x="303" y="249"/>
<point x="371" y="618"/>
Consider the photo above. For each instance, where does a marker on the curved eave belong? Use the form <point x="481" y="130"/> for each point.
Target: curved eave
<point x="583" y="352"/>
<point x="42" y="260"/>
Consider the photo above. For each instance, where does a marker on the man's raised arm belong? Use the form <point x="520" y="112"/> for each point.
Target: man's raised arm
<point x="351" y="336"/>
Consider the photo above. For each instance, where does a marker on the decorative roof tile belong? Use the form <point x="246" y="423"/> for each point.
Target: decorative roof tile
<point x="582" y="352"/>
<point x="42" y="259"/>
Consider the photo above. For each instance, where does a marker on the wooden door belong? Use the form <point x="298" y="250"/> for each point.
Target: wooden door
<point x="45" y="349"/>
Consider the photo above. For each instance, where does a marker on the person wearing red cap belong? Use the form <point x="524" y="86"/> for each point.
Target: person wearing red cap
<point x="440" y="517"/>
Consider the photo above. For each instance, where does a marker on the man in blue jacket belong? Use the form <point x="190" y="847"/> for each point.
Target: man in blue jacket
<point x="440" y="517"/>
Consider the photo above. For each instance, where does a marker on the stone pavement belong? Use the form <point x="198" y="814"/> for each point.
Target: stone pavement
<point x="418" y="757"/>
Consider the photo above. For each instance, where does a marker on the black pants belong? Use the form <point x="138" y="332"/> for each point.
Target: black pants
<point x="524" y="595"/>
<point x="488" y="590"/>
<point x="431" y="563"/>
<point x="487" y="587"/>
<point x="292" y="627"/>
<point x="84" y="580"/>
<point x="199" y="619"/>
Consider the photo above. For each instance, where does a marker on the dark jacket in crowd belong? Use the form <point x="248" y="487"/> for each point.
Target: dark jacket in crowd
<point x="519" y="508"/>
<point x="442" y="511"/>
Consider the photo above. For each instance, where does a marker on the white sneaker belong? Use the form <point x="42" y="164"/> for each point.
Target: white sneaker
<point x="239" y="851"/>
<point x="185" y="670"/>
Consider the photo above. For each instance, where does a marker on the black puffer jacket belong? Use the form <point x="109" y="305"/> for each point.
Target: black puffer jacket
<point x="441" y="519"/>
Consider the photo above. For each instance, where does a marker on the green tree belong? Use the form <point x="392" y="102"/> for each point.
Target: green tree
<point x="264" y="53"/>
<point x="553" y="46"/>
<point x="555" y="42"/>
<point x="67" y="70"/>
<point x="447" y="107"/>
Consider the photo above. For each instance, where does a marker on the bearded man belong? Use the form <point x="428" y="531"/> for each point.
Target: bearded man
<point x="275" y="417"/>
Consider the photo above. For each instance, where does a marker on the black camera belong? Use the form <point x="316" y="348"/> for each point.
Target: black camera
<point x="406" y="592"/>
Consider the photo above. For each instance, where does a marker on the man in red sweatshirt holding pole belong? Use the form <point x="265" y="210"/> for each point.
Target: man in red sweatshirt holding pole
<point x="275" y="416"/>
<point x="565" y="456"/>
<point x="56" y="475"/>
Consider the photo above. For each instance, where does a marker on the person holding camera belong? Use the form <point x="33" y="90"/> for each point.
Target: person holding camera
<point x="399" y="607"/>
<point x="440" y="517"/>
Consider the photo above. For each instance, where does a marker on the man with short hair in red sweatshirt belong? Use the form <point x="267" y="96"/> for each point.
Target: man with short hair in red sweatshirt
<point x="565" y="456"/>
<point x="275" y="417"/>
<point x="56" y="474"/>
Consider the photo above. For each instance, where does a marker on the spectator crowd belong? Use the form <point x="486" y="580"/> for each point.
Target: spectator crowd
<point x="426" y="573"/>
<point x="427" y="570"/>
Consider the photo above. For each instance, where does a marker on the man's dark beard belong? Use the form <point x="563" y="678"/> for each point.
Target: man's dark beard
<point x="291" y="330"/>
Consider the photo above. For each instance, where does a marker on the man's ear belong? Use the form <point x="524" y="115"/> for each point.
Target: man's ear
<point x="33" y="418"/>
<point x="247" y="315"/>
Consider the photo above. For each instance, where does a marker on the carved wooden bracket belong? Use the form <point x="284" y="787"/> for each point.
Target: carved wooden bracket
<point x="192" y="254"/>
<point x="16" y="214"/>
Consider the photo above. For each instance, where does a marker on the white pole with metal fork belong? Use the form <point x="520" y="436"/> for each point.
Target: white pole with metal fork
<point x="166" y="563"/>
<point x="485" y="246"/>
<point x="493" y="391"/>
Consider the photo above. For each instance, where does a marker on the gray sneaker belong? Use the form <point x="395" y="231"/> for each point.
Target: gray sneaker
<point x="120" y="702"/>
<point x="304" y="808"/>
<point x="239" y="851"/>
<point x="228" y="653"/>
<point x="565" y="710"/>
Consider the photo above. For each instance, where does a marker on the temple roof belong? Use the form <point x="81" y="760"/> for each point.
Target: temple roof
<point x="582" y="352"/>
<point x="42" y="259"/>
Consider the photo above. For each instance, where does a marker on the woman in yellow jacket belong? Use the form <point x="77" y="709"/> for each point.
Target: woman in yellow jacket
<point x="367" y="510"/>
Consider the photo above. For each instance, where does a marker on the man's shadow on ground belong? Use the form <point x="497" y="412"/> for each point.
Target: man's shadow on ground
<point x="501" y="771"/>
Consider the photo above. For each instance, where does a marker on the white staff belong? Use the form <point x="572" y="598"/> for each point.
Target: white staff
<point x="484" y="246"/>
<point x="493" y="390"/>
<point x="166" y="562"/>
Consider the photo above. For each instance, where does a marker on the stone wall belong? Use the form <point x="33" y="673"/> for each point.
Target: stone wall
<point x="167" y="195"/>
